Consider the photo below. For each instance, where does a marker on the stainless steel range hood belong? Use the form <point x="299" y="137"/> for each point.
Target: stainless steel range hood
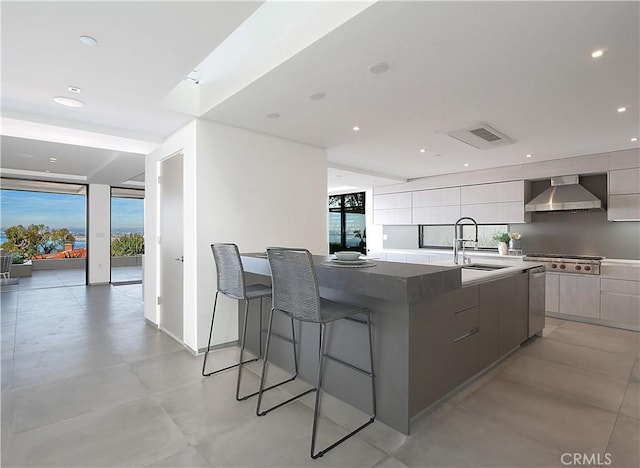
<point x="565" y="194"/>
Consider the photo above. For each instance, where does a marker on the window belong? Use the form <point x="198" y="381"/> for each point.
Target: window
<point x="441" y="236"/>
<point x="347" y="225"/>
<point x="43" y="220"/>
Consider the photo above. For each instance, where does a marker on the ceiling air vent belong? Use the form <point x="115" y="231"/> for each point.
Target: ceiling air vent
<point x="480" y="135"/>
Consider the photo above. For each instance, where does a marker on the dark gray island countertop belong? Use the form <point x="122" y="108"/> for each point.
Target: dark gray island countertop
<point x="399" y="282"/>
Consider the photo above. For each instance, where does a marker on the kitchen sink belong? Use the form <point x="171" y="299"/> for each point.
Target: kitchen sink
<point x="482" y="267"/>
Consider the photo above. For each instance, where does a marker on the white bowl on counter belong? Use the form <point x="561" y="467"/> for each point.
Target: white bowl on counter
<point x="347" y="256"/>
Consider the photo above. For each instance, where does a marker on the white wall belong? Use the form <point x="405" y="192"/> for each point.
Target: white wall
<point x="256" y="191"/>
<point x="99" y="240"/>
<point x="241" y="187"/>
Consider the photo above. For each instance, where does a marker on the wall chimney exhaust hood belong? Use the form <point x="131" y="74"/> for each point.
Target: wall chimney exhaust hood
<point x="565" y="194"/>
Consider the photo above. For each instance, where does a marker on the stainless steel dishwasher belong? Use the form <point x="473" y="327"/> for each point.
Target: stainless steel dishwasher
<point x="536" y="300"/>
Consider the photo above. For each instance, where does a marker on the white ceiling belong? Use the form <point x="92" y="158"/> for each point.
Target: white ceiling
<point x="522" y="67"/>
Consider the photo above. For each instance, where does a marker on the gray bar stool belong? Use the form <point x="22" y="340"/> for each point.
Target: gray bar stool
<point x="231" y="283"/>
<point x="296" y="294"/>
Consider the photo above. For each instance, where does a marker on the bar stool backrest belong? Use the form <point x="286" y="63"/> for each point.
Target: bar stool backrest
<point x="295" y="284"/>
<point x="229" y="271"/>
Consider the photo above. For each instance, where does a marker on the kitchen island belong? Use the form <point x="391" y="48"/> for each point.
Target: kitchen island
<point x="430" y="332"/>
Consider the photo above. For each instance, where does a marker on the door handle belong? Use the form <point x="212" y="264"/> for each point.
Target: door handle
<point x="179" y="259"/>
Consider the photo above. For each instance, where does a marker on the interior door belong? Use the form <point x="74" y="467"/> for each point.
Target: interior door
<point x="171" y="245"/>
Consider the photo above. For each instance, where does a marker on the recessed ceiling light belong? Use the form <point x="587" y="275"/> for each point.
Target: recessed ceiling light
<point x="378" y="68"/>
<point x="356" y="129"/>
<point x="423" y="150"/>
<point x="273" y="115"/>
<point x="622" y="109"/>
<point x="597" y="53"/>
<point x="528" y="155"/>
<point x="88" y="40"/>
<point x="634" y="139"/>
<point x="466" y="164"/>
<point x="53" y="160"/>
<point x="317" y="96"/>
<point x="74" y="89"/>
<point x="69" y="102"/>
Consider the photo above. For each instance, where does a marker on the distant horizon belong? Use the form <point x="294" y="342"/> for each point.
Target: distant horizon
<point x="58" y="210"/>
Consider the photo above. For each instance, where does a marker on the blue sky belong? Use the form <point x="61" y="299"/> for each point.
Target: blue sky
<point x="58" y="210"/>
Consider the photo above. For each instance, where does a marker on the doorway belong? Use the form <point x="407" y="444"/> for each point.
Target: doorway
<point x="127" y="235"/>
<point x="171" y="246"/>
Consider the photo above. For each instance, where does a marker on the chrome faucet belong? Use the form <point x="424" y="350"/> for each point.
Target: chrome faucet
<point x="460" y="242"/>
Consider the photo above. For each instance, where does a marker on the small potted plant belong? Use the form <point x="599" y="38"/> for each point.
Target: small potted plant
<point x="502" y="238"/>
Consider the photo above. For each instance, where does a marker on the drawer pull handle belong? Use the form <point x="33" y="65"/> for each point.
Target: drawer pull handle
<point x="467" y="335"/>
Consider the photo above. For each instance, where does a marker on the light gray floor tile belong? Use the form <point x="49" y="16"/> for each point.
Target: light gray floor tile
<point x="631" y="403"/>
<point x="188" y="457"/>
<point x="553" y="321"/>
<point x="149" y="344"/>
<point x="454" y="437"/>
<point x="133" y="434"/>
<point x="6" y="369"/>
<point x="625" y="443"/>
<point x="282" y="438"/>
<point x="612" y="340"/>
<point x="39" y="405"/>
<point x="48" y="365"/>
<point x="582" y="357"/>
<point x="635" y="373"/>
<point x="557" y="421"/>
<point x="586" y="386"/>
<point x="391" y="462"/>
<point x="207" y="408"/>
<point x="168" y="371"/>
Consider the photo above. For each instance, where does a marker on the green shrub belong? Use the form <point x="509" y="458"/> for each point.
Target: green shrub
<point x="127" y="245"/>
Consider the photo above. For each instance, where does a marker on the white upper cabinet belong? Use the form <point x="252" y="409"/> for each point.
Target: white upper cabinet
<point x="390" y="201"/>
<point x="437" y="197"/>
<point x="624" y="195"/>
<point x="438" y="206"/>
<point x="624" y="181"/>
<point x="497" y="203"/>
<point x="392" y="208"/>
<point x="501" y="192"/>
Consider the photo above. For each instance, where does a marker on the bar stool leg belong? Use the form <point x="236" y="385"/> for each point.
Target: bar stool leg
<point x="316" y="408"/>
<point x="242" y="347"/>
<point x="213" y="316"/>
<point x="264" y="370"/>
<point x="206" y="353"/>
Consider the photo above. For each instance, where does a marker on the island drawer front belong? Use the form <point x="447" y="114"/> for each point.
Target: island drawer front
<point x="462" y="324"/>
<point x="463" y="299"/>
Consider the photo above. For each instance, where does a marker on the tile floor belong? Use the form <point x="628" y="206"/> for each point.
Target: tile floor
<point x="86" y="382"/>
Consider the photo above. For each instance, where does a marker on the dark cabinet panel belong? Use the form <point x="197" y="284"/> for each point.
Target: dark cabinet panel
<point x="488" y="323"/>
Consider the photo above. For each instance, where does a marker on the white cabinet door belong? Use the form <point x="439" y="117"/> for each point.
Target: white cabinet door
<point x="390" y="201"/>
<point x="396" y="216"/>
<point x="437" y="197"/>
<point x="552" y="290"/>
<point x="436" y="214"/>
<point x="580" y="295"/>
<point x="624" y="207"/>
<point x="621" y="308"/>
<point x="496" y="213"/>
<point x="624" y="181"/>
<point x="625" y="159"/>
<point x="493" y="193"/>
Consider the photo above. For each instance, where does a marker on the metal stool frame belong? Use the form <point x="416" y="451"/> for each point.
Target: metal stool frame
<point x="313" y="313"/>
<point x="230" y="282"/>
